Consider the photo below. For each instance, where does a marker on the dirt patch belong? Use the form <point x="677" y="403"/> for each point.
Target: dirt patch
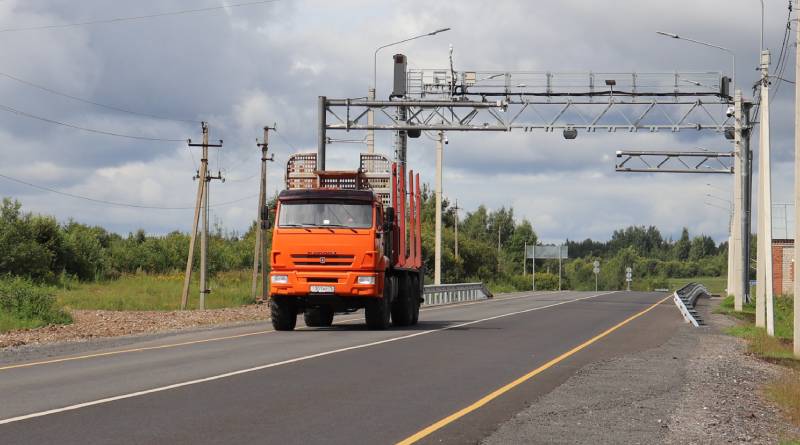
<point x="90" y="324"/>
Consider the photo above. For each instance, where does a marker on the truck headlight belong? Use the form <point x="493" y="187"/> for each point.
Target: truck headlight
<point x="279" y="279"/>
<point x="366" y="280"/>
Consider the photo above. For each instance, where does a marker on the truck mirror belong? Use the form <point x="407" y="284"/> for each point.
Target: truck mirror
<point x="388" y="219"/>
<point x="265" y="221"/>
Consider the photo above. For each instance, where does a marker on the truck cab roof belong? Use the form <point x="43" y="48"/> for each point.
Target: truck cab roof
<point x="338" y="194"/>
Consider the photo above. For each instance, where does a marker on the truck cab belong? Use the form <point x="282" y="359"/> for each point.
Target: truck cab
<point x="334" y="250"/>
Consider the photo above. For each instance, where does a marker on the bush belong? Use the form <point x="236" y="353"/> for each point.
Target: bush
<point x="22" y="300"/>
<point x="546" y="281"/>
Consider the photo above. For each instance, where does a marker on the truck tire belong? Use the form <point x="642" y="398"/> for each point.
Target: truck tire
<point x="416" y="297"/>
<point x="403" y="306"/>
<point x="318" y="317"/>
<point x="377" y="312"/>
<point x="283" y="313"/>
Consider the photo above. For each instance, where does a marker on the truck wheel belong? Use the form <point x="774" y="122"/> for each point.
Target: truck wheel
<point x="377" y="312"/>
<point x="318" y="317"/>
<point x="283" y="313"/>
<point x="403" y="306"/>
<point x="416" y="296"/>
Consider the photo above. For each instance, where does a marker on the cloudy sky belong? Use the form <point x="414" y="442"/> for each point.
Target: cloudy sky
<point x="241" y="68"/>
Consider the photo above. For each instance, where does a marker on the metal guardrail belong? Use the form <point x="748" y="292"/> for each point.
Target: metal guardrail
<point x="685" y="298"/>
<point x="455" y="293"/>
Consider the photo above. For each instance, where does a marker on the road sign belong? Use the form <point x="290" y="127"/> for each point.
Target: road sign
<point x="547" y="252"/>
<point x="596" y="264"/>
<point x="628" y="270"/>
<point x="596" y="270"/>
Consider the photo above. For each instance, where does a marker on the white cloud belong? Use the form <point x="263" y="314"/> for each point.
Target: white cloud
<point x="248" y="67"/>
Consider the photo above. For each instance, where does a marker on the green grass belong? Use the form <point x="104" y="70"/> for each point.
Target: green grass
<point x="25" y="305"/>
<point x="12" y="322"/>
<point x="715" y="285"/>
<point x="776" y="349"/>
<point x="156" y="292"/>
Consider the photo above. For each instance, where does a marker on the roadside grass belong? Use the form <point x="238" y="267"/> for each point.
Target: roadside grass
<point x="10" y="322"/>
<point x="142" y="292"/>
<point x="26" y="305"/>
<point x="785" y="391"/>
<point x="715" y="285"/>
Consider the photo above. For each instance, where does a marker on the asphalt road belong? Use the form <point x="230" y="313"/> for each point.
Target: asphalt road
<point x="452" y="379"/>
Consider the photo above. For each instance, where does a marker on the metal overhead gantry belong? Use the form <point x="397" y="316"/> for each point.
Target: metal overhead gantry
<point x="530" y="101"/>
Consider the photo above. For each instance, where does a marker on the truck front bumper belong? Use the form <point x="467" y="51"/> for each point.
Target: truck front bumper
<point x="343" y="283"/>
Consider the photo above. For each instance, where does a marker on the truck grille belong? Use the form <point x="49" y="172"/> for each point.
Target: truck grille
<point x="323" y="260"/>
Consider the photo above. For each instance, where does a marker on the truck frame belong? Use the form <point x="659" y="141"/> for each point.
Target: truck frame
<point x="344" y="241"/>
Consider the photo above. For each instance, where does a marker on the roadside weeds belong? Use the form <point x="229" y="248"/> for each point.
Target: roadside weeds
<point x="784" y="389"/>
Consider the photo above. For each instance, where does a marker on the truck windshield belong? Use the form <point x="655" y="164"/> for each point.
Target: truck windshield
<point x="325" y="214"/>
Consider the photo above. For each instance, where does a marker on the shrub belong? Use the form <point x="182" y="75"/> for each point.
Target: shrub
<point x="22" y="299"/>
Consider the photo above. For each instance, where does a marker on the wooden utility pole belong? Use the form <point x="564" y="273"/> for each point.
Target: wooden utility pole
<point x="201" y="203"/>
<point x="260" y="249"/>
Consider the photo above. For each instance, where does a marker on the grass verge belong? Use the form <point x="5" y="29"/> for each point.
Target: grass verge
<point x="785" y="391"/>
<point x="156" y="292"/>
<point x="25" y="305"/>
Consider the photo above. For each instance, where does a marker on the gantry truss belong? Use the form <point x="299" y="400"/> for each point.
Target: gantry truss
<point x="531" y="101"/>
<point x="675" y="161"/>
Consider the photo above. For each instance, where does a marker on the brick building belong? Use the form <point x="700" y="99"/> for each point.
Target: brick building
<point x="782" y="266"/>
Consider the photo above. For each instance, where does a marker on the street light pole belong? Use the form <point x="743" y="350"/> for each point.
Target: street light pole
<point x="371" y="92"/>
<point x="711" y="45"/>
<point x="738" y="248"/>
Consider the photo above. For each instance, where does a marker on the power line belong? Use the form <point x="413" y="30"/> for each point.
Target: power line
<point x="286" y="141"/>
<point x="784" y="54"/>
<point x="132" y="18"/>
<point x="114" y="203"/>
<point x="77" y="127"/>
<point x="139" y="17"/>
<point x="79" y="99"/>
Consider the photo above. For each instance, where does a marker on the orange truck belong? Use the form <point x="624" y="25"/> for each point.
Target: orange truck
<point x="344" y="241"/>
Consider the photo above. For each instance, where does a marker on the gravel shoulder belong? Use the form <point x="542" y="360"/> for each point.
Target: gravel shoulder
<point x="96" y="324"/>
<point x="699" y="387"/>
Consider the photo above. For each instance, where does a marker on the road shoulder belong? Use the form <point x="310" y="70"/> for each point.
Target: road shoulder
<point x="697" y="387"/>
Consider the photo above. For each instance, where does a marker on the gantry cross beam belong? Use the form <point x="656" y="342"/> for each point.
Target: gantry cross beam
<point x="675" y="162"/>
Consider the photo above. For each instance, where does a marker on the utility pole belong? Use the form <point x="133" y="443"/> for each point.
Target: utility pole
<point x="437" y="271"/>
<point x="747" y="189"/>
<point x="797" y="192"/>
<point x="201" y="204"/>
<point x="456" y="208"/>
<point x="261" y="231"/>
<point x="764" y="303"/>
<point x="741" y="257"/>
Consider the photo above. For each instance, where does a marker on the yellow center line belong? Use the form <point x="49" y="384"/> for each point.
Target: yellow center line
<point x="508" y="387"/>
<point x="215" y="339"/>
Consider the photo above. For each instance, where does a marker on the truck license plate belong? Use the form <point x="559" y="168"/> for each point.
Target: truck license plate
<point x="322" y="289"/>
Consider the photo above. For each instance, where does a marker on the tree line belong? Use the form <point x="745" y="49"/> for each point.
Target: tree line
<point x="490" y="244"/>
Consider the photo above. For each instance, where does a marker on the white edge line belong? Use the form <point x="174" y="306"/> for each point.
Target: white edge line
<point x="9" y="367"/>
<point x="281" y="363"/>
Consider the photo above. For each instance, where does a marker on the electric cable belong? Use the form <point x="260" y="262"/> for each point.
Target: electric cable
<point x="139" y="17"/>
<point x="114" y="203"/>
<point x="11" y="110"/>
<point x="97" y="104"/>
